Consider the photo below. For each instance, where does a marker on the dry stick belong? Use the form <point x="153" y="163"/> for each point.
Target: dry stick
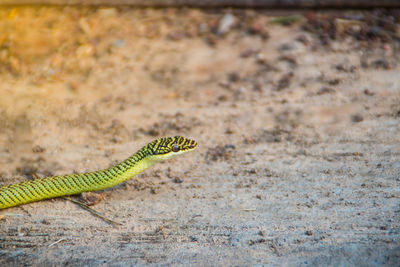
<point x="92" y="211"/>
<point x="249" y="209"/>
<point x="56" y="242"/>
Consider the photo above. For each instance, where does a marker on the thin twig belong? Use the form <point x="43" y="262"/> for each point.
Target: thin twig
<point x="249" y="209"/>
<point x="94" y="212"/>
<point x="58" y="241"/>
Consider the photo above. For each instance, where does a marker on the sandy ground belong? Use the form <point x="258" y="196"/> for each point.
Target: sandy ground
<point x="298" y="130"/>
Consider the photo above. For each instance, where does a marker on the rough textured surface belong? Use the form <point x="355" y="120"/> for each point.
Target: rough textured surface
<point x="298" y="130"/>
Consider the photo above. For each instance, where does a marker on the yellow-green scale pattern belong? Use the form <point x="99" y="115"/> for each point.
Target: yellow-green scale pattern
<point x="71" y="184"/>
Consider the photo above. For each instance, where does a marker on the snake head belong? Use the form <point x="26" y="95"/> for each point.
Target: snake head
<point x="169" y="147"/>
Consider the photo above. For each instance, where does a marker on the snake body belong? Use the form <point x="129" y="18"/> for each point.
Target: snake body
<point x="71" y="184"/>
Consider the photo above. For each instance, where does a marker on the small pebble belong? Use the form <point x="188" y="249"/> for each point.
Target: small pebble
<point x="309" y="232"/>
<point x="177" y="180"/>
<point x="357" y="118"/>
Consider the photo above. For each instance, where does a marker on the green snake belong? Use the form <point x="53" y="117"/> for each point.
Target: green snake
<point x="71" y="184"/>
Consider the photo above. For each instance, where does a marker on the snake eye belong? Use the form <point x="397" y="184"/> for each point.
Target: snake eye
<point x="175" y="148"/>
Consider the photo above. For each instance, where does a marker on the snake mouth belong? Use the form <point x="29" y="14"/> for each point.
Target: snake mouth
<point x="191" y="145"/>
<point x="188" y="145"/>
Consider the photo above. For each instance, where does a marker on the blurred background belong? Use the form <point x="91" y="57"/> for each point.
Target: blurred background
<point x="295" y="106"/>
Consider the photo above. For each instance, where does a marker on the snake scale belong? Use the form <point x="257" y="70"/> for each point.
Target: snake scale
<point x="71" y="184"/>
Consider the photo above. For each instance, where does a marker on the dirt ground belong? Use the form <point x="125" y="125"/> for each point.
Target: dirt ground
<point x="297" y="123"/>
